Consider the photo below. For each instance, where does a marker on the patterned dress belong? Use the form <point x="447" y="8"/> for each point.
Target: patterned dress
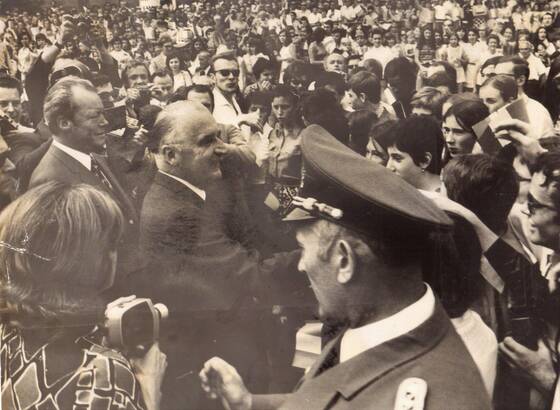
<point x="103" y="379"/>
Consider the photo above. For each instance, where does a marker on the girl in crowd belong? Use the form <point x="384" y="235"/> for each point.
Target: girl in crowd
<point x="417" y="160"/>
<point x="58" y="256"/>
<point x="176" y="65"/>
<point x="458" y="121"/>
<point x="474" y="53"/>
<point x="454" y="54"/>
<point x="284" y="161"/>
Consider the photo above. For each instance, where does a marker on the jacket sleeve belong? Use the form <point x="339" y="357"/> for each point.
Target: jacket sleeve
<point x="268" y="401"/>
<point x="36" y="85"/>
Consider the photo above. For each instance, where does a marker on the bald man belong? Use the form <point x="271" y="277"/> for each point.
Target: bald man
<point x="209" y="282"/>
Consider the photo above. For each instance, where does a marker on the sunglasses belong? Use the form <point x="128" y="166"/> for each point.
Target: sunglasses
<point x="227" y="73"/>
<point x="533" y="205"/>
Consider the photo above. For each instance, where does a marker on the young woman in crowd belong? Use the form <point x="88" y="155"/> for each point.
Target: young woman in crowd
<point x="454" y="54"/>
<point x="284" y="160"/>
<point x="176" y="65"/>
<point x="474" y="53"/>
<point x="58" y="256"/>
<point x="417" y="160"/>
<point x="458" y="121"/>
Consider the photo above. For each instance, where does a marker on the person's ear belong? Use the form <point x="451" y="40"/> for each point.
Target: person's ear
<point x="362" y="97"/>
<point x="345" y="261"/>
<point x="426" y="161"/>
<point x="169" y="154"/>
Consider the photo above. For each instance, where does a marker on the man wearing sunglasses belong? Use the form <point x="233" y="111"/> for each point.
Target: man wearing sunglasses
<point x="225" y="75"/>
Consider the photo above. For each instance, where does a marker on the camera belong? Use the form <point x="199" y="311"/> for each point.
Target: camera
<point x="133" y="325"/>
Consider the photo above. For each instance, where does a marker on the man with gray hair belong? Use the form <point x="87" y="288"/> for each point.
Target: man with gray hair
<point x="212" y="286"/>
<point x="75" y="116"/>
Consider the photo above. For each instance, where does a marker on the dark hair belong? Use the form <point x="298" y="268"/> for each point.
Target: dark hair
<point x="551" y="97"/>
<point x="451" y="73"/>
<point x="360" y="124"/>
<point x="261" y="65"/>
<point x="484" y="184"/>
<point x="549" y="164"/>
<point x="367" y="83"/>
<point x="418" y="135"/>
<point x="468" y="112"/>
<point x="402" y="67"/>
<point x="520" y="66"/>
<point x="7" y="81"/>
<point x="382" y="133"/>
<point x="330" y="79"/>
<point x="373" y="66"/>
<point x="258" y="97"/>
<point x="429" y="98"/>
<point x="504" y="84"/>
<point x="200" y="89"/>
<point x="99" y="79"/>
<point x="452" y="269"/>
<point x="299" y="70"/>
<point x="318" y="35"/>
<point x="178" y="56"/>
<point x="493" y="37"/>
<point x="321" y="107"/>
<point x="162" y="72"/>
<point x="285" y="91"/>
<point x="442" y="79"/>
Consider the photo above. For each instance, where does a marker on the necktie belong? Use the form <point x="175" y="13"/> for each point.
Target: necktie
<point x="96" y="170"/>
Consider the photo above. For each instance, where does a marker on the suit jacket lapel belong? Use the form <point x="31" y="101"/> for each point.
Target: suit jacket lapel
<point x="75" y="167"/>
<point x="116" y="187"/>
<point x="178" y="188"/>
<point x="351" y="376"/>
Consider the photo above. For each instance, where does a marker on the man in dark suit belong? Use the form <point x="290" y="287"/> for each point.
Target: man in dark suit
<point x="214" y="288"/>
<point x="75" y="117"/>
<point x="396" y="347"/>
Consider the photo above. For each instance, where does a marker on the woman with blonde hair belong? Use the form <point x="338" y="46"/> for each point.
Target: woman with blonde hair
<point x="57" y="258"/>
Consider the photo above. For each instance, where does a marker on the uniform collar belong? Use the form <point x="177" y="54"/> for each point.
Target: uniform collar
<point x="358" y="340"/>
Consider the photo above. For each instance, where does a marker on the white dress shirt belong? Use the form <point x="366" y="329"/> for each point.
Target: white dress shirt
<point x="360" y="339"/>
<point x="199" y="192"/>
<point x="224" y="111"/>
<point x="79" y="156"/>
<point x="482" y="345"/>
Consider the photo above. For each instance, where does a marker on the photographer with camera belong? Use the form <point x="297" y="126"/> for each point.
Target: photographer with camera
<point x="58" y="255"/>
<point x="41" y="74"/>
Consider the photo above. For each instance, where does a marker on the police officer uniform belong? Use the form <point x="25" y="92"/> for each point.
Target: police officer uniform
<point x="418" y="361"/>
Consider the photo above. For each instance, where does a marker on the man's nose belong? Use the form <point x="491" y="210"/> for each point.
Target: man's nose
<point x="10" y="107"/>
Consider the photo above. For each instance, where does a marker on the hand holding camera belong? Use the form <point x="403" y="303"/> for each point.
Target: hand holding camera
<point x="132" y="324"/>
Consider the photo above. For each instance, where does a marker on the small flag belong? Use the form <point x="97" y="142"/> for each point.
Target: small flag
<point x="484" y="129"/>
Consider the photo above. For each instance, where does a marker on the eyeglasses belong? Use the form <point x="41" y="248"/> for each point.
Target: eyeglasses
<point x="533" y="205"/>
<point x="227" y="73"/>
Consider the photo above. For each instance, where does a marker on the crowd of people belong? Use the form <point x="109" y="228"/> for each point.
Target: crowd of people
<point x="404" y="155"/>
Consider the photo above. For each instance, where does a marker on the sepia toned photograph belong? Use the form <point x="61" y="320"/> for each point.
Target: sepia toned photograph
<point x="279" y="204"/>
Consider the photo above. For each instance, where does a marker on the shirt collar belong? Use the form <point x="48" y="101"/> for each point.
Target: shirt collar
<point x="199" y="192"/>
<point x="220" y="99"/>
<point x="79" y="156"/>
<point x="358" y="340"/>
